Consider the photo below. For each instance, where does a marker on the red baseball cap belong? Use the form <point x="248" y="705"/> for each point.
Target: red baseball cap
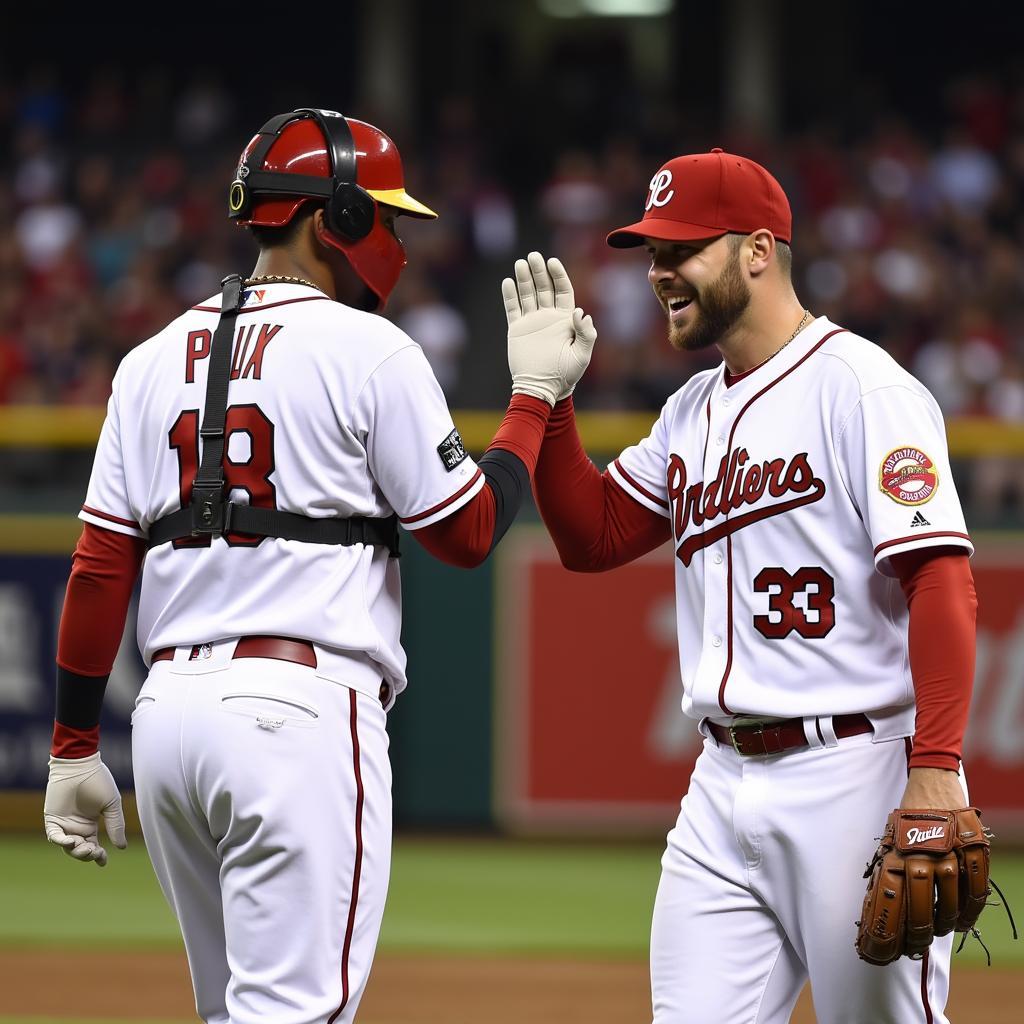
<point x="707" y="194"/>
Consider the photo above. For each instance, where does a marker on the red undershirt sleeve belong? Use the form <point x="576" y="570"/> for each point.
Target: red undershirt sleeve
<point x="104" y="568"/>
<point x="593" y="522"/>
<point x="521" y="432"/>
<point x="466" y="537"/>
<point x="943" y="606"/>
<point x="462" y="539"/>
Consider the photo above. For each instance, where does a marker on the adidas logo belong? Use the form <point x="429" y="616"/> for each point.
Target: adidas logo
<point x="919" y="520"/>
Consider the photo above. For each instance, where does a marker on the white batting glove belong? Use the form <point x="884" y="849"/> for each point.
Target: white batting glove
<point x="550" y="341"/>
<point x="78" y="793"/>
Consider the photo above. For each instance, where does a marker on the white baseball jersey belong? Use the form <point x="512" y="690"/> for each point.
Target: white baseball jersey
<point x="332" y="412"/>
<point x="787" y="493"/>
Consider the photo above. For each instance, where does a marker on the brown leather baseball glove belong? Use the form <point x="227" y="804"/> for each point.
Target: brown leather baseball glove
<point x="929" y="876"/>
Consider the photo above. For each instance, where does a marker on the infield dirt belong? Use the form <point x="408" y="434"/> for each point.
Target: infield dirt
<point x="417" y="989"/>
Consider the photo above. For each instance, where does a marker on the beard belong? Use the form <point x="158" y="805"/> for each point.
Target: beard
<point x="720" y="305"/>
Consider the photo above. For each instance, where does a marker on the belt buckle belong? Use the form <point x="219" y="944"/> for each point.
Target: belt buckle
<point x="744" y="723"/>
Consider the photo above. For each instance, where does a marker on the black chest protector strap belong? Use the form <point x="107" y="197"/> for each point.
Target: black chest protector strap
<point x="208" y="514"/>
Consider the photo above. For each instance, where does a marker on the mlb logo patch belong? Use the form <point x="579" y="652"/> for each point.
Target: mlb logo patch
<point x="451" y="450"/>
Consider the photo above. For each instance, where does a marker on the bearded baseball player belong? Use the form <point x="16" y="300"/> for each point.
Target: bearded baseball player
<point x="257" y="457"/>
<point x="826" y="622"/>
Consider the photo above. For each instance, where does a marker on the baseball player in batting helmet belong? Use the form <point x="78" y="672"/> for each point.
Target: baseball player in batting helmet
<point x="258" y="457"/>
<point x="826" y="621"/>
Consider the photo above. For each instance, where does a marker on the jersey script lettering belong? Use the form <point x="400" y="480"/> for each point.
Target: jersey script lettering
<point x="735" y="485"/>
<point x="247" y="358"/>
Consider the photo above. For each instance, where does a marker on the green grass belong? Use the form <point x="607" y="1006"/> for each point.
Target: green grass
<point x="482" y="896"/>
<point x="51" y="900"/>
<point x="493" y="896"/>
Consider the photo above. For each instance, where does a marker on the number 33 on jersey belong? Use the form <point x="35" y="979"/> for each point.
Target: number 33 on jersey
<point x="812" y="469"/>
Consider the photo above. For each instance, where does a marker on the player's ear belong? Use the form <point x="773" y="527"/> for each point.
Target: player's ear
<point x="760" y="249"/>
<point x="320" y="229"/>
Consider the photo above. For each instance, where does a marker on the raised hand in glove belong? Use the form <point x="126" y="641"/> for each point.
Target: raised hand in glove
<point x="549" y="338"/>
<point x="78" y="793"/>
<point x="929" y="876"/>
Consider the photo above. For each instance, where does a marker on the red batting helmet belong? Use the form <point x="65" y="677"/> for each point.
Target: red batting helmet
<point x="311" y="154"/>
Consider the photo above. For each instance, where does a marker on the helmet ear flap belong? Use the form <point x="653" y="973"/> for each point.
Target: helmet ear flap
<point x="351" y="212"/>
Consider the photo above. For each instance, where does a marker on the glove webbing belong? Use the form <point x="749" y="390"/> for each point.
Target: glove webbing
<point x="977" y="934"/>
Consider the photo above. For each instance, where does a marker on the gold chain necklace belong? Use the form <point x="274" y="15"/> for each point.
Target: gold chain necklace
<point x="799" y="327"/>
<point x="282" y="279"/>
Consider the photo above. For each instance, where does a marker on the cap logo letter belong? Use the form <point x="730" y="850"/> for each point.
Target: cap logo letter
<point x="659" y="183"/>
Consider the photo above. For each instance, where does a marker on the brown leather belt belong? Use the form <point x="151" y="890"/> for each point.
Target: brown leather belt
<point x="279" y="648"/>
<point x="775" y="737"/>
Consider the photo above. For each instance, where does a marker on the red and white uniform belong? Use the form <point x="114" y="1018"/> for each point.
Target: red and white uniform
<point x="787" y="492"/>
<point x="801" y="499"/>
<point x="332" y="412"/>
<point x="264" y="787"/>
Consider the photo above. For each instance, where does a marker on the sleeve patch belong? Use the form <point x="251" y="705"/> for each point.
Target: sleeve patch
<point x="452" y="451"/>
<point x="908" y="476"/>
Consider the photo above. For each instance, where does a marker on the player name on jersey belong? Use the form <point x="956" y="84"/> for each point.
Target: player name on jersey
<point x="246" y="358"/>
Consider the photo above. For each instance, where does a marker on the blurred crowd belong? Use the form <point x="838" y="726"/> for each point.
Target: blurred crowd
<point x="112" y="219"/>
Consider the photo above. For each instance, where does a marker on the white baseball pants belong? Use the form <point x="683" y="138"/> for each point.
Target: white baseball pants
<point x="265" y="798"/>
<point x="761" y="885"/>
